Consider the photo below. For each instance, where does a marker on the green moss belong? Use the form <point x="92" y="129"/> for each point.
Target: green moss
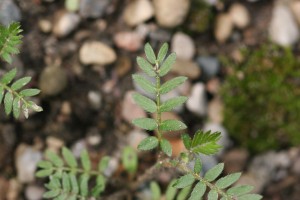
<point x="262" y="99"/>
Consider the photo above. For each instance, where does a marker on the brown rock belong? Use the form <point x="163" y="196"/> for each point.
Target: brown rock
<point x="223" y="27"/>
<point x="138" y="11"/>
<point x="130" y="110"/>
<point x="130" y="41"/>
<point x="186" y="68"/>
<point x="235" y="160"/>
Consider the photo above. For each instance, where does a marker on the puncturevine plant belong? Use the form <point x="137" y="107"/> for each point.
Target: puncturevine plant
<point x="12" y="93"/>
<point x="72" y="180"/>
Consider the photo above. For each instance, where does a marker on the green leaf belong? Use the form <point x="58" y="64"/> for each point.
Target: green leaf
<point x="1" y="93"/>
<point x="171" y="191"/>
<point x="150" y="53"/>
<point x="51" y="194"/>
<point x="44" y="164"/>
<point x="9" y="76"/>
<point x="144" y="83"/>
<point x="166" y="147"/>
<point x="172" y="125"/>
<point x="85" y="160"/>
<point x="187" y="141"/>
<point x="72" y="5"/>
<point x="148" y="143"/>
<point x="69" y="157"/>
<point x="172" y="103"/>
<point x="54" y="183"/>
<point x="198" y="191"/>
<point x="62" y="196"/>
<point x="129" y="159"/>
<point x="66" y="182"/>
<point x="20" y="83"/>
<point x="103" y="164"/>
<point x="44" y="173"/>
<point x="162" y="52"/>
<point x="29" y="92"/>
<point x="171" y="84"/>
<point x="212" y="195"/>
<point x="145" y="123"/>
<point x="228" y="180"/>
<point x="99" y="187"/>
<point x="184" y="181"/>
<point x="54" y="158"/>
<point x="167" y="64"/>
<point x="239" y="190"/>
<point x="83" y="185"/>
<point x="16" y="107"/>
<point x="8" y="102"/>
<point x="74" y="183"/>
<point x="214" y="172"/>
<point x="250" y="197"/>
<point x="146" y="103"/>
<point x="184" y="193"/>
<point x="155" y="190"/>
<point x="35" y="107"/>
<point x="206" y="143"/>
<point x="197" y="166"/>
<point x="145" y="66"/>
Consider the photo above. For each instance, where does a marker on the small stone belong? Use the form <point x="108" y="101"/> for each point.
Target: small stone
<point x="197" y="102"/>
<point x="130" y="41"/>
<point x="26" y="160"/>
<point x="186" y="68"/>
<point x="65" y="23"/>
<point x="239" y="15"/>
<point x="177" y="146"/>
<point x="169" y="14"/>
<point x="93" y="137"/>
<point x="296" y="167"/>
<point x="54" y="144"/>
<point x="33" y="192"/>
<point x="9" y="12"/>
<point x="130" y="110"/>
<point x="66" y="108"/>
<point x="235" y="160"/>
<point x="138" y="11"/>
<point x="210" y="66"/>
<point x="223" y="27"/>
<point x="213" y="86"/>
<point x="295" y="7"/>
<point x="93" y="8"/>
<point x="183" y="46"/>
<point x="135" y="137"/>
<point x="53" y="80"/>
<point x="94" y="52"/>
<point x="14" y="189"/>
<point x="123" y="65"/>
<point x="283" y="28"/>
<point x="45" y="25"/>
<point x="3" y="187"/>
<point x="95" y="99"/>
<point x="215" y="111"/>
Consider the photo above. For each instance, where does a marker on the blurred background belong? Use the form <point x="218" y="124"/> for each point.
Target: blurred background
<point x="241" y="58"/>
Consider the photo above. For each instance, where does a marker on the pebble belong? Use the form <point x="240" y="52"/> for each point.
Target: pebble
<point x="129" y="41"/>
<point x="213" y="86"/>
<point x="123" y="65"/>
<point x="296" y="167"/>
<point x="33" y="192"/>
<point x="93" y="137"/>
<point x="183" y="46"/>
<point x="130" y="110"/>
<point x="210" y="66"/>
<point x="14" y="189"/>
<point x="135" y="137"/>
<point x="95" y="99"/>
<point x="215" y="111"/>
<point x="93" y="8"/>
<point x="235" y="160"/>
<point x="94" y="52"/>
<point x="169" y="14"/>
<point x="53" y="80"/>
<point x="186" y="68"/>
<point x="9" y="12"/>
<point x="177" y="146"/>
<point x="45" y="25"/>
<point x="197" y="102"/>
<point x="138" y="11"/>
<point x="54" y="144"/>
<point x="3" y="187"/>
<point x="239" y="15"/>
<point x="283" y="29"/>
<point x="26" y="160"/>
<point x="65" y="23"/>
<point x="223" y="27"/>
<point x="295" y="7"/>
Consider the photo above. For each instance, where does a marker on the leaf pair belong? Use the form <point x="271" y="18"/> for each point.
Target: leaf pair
<point x="152" y="142"/>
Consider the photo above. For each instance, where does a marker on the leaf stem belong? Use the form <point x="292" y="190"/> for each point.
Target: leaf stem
<point x="158" y="112"/>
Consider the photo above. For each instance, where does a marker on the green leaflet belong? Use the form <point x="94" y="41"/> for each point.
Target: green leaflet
<point x="184" y="193"/>
<point x="129" y="159"/>
<point x="69" y="157"/>
<point x="212" y="195"/>
<point x="155" y="190"/>
<point x="197" y="166"/>
<point x="20" y="83"/>
<point x="29" y="92"/>
<point x="99" y="187"/>
<point x="1" y="93"/>
<point x="171" y="84"/>
<point x="103" y="163"/>
<point x="198" y="191"/>
<point x="146" y="103"/>
<point x="150" y="53"/>
<point x="162" y="52"/>
<point x="44" y="173"/>
<point x="166" y="147"/>
<point x="74" y="183"/>
<point x="72" y="5"/>
<point x="239" y="190"/>
<point x="85" y="160"/>
<point x="167" y="64"/>
<point x="8" y="102"/>
<point x="187" y="141"/>
<point x="9" y="76"/>
<point x="66" y="185"/>
<point x="184" y="181"/>
<point x="51" y="194"/>
<point x="206" y="142"/>
<point x="214" y="172"/>
<point x="172" y="103"/>
<point x="171" y="191"/>
<point x="144" y="83"/>
<point x="54" y="158"/>
<point x="250" y="197"/>
<point x="145" y="123"/>
<point x="145" y="66"/>
<point x="148" y="143"/>
<point x="228" y="180"/>
<point x="172" y="125"/>
<point x="16" y="107"/>
<point x="83" y="185"/>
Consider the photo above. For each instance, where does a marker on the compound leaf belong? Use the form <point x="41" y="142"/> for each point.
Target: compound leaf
<point x="51" y="194"/>
<point x="206" y="142"/>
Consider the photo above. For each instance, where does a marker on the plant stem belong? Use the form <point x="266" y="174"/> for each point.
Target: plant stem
<point x="158" y="112"/>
